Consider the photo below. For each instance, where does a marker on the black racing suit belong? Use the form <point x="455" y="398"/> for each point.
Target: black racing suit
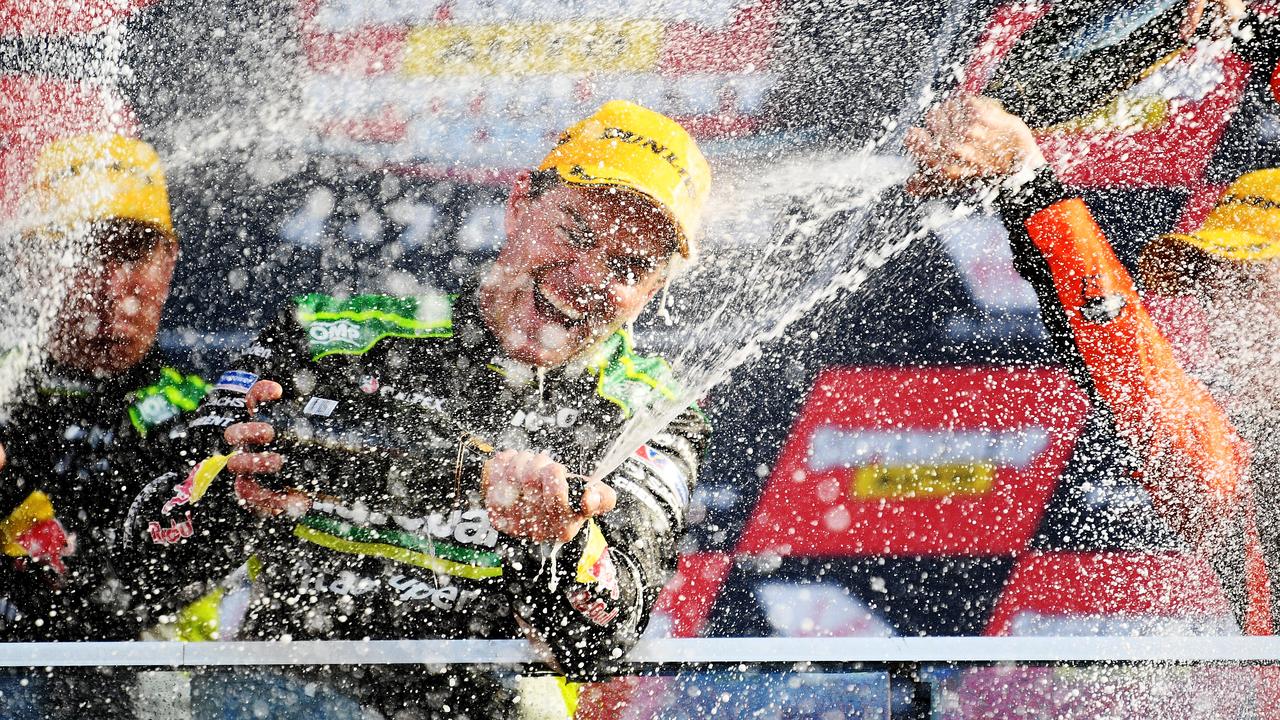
<point x="79" y="450"/>
<point x="388" y="406"/>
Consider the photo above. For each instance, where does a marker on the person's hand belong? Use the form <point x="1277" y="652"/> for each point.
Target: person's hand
<point x="527" y="495"/>
<point x="1228" y="12"/>
<point x="247" y="462"/>
<point x="967" y="139"/>
<point x="3" y="457"/>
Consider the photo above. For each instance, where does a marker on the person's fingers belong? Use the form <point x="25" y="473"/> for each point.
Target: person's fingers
<point x="598" y="498"/>
<point x="1195" y="11"/>
<point x="956" y="173"/>
<point x="979" y="134"/>
<point x="502" y="489"/>
<point x="498" y="467"/>
<point x="917" y="141"/>
<point x="922" y="184"/>
<point x="933" y="118"/>
<point x="269" y="503"/>
<point x="3" y="457"/>
<point x="1230" y="12"/>
<point x="570" y="531"/>
<point x="262" y="391"/>
<point x="249" y="433"/>
<point x="256" y="497"/>
<point x="551" y="484"/>
<point x="539" y="464"/>
<point x="524" y="464"/>
<point x="950" y="110"/>
<point x="929" y="183"/>
<point x="969" y="161"/>
<point x="263" y="463"/>
<point x="960" y="115"/>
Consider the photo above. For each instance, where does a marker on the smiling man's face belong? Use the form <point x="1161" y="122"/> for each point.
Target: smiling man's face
<point x="578" y="263"/>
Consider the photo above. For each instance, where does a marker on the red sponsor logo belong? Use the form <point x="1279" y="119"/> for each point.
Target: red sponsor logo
<point x="606" y="574"/>
<point x="48" y="542"/>
<point x="181" y="492"/>
<point x="176" y="532"/>
<point x="596" y="609"/>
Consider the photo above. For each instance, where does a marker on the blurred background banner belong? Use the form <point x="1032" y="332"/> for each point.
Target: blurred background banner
<point x="908" y="459"/>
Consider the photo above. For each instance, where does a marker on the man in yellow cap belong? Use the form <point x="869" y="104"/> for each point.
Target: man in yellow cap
<point x="97" y="412"/>
<point x="426" y="477"/>
<point x="1188" y="372"/>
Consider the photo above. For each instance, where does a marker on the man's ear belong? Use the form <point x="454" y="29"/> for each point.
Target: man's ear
<point x="518" y="198"/>
<point x="166" y="257"/>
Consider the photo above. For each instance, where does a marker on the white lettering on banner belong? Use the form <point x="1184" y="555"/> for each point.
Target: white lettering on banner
<point x="834" y="447"/>
<point x="447" y="597"/>
<point x="707" y="14"/>
<point x="238" y="381"/>
<point x="347" y="583"/>
<point x="258" y="351"/>
<point x="426" y="402"/>
<point x="353" y="15"/>
<point x="348" y="15"/>
<point x="334" y="331"/>
<point x="471" y="527"/>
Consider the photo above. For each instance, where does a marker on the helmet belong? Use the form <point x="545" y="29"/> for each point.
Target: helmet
<point x="101" y="176"/>
<point x="1245" y="224"/>
<point x="628" y="146"/>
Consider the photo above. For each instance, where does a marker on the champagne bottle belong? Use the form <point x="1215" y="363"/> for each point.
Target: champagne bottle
<point x="1083" y="53"/>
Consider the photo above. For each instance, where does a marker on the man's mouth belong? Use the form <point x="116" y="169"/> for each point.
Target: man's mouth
<point x="555" y="307"/>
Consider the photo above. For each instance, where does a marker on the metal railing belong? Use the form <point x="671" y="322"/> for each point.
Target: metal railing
<point x="903" y="659"/>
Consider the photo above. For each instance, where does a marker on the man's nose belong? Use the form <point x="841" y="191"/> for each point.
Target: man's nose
<point x="591" y="272"/>
<point x="120" y="295"/>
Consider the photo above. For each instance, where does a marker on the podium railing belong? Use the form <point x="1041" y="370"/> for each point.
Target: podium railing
<point x="905" y="660"/>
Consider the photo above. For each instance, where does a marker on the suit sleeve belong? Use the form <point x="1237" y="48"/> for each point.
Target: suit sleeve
<point x="1193" y="462"/>
<point x="186" y="530"/>
<point x="589" y="601"/>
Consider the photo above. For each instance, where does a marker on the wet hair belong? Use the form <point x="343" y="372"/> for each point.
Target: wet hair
<point x="541" y="181"/>
<point x="1170" y="266"/>
<point x="128" y="239"/>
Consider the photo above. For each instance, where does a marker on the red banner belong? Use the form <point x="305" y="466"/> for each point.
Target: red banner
<point x="1122" y="593"/>
<point x="918" y="462"/>
<point x="58" y="17"/>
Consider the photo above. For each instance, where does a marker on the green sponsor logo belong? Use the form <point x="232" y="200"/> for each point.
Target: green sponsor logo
<point x="172" y="395"/>
<point x="351" y="326"/>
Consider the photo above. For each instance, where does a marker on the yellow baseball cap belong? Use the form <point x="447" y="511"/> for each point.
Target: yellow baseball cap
<point x="1245" y="224"/>
<point x="95" y="177"/>
<point x="628" y="146"/>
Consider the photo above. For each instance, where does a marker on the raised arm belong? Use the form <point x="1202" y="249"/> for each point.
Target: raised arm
<point x="1193" y="462"/>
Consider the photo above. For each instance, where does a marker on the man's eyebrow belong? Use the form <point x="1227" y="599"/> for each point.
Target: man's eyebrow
<point x="580" y="221"/>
